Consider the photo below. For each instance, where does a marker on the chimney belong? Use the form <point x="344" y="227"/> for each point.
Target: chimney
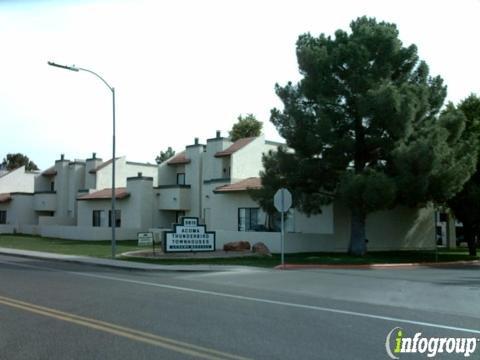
<point x="94" y="156"/>
<point x="62" y="157"/>
<point x="218" y="134"/>
<point x="196" y="141"/>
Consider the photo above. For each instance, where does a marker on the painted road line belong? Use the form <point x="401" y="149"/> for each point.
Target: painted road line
<point x="260" y="300"/>
<point x="132" y="334"/>
<point x="283" y="303"/>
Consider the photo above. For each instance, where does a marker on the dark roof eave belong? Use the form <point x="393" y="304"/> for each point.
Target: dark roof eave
<point x="179" y="162"/>
<point x="118" y="197"/>
<point x="223" y="191"/>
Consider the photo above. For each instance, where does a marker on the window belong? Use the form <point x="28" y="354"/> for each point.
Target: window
<point x="97" y="217"/>
<point x="181" y="179"/>
<point x="3" y="216"/>
<point x="247" y="219"/>
<point x="118" y="218"/>
<point x="52" y="186"/>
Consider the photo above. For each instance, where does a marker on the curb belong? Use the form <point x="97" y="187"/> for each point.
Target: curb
<point x="377" y="266"/>
<point x="117" y="264"/>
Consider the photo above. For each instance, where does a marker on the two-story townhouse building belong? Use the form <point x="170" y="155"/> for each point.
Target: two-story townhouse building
<point x="230" y="169"/>
<point x="16" y="198"/>
<point x="211" y="181"/>
<point x="50" y="207"/>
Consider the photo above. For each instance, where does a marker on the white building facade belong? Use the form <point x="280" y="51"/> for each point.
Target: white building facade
<point x="72" y="200"/>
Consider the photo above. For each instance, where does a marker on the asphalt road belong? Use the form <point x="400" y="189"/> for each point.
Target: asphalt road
<point x="54" y="310"/>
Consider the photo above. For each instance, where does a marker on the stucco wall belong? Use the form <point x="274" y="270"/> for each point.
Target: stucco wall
<point x="193" y="177"/>
<point x="398" y="229"/>
<point x="91" y="179"/>
<point x="76" y="182"/>
<point x="86" y="207"/>
<point x="318" y="224"/>
<point x="409" y="228"/>
<point x="18" y="181"/>
<point x="224" y="209"/>
<point x="104" y="175"/>
<point x="123" y="170"/>
<point x="135" y="210"/>
<point x="147" y="170"/>
<point x="19" y="210"/>
<point x="138" y="209"/>
<point x="167" y="174"/>
<point x="55" y="220"/>
<point x="6" y="229"/>
<point x="247" y="162"/>
<point x="224" y="213"/>
<point x="43" y="183"/>
<point x="62" y="187"/>
<point x="164" y="219"/>
<point x="213" y="167"/>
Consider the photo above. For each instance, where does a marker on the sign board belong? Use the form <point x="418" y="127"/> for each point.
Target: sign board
<point x="145" y="239"/>
<point x="282" y="200"/>
<point x="189" y="236"/>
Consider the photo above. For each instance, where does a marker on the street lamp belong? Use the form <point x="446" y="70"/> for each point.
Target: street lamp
<point x="113" y="217"/>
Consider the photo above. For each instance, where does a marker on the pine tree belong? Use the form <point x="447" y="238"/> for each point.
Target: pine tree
<point x="365" y="128"/>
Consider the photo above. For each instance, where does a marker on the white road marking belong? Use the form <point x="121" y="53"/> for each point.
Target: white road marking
<point x="258" y="300"/>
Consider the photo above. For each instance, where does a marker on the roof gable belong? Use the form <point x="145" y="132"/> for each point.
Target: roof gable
<point x="242" y="185"/>
<point x="105" y="194"/>
<point x="237" y="145"/>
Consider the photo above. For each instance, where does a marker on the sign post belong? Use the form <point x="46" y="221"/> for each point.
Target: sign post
<point x="282" y="201"/>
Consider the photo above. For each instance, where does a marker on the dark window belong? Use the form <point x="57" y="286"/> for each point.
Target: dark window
<point x="178" y="216"/>
<point x="247" y="219"/>
<point x="118" y="218"/>
<point x="3" y="216"/>
<point x="97" y="217"/>
<point x="181" y="179"/>
<point x="52" y="186"/>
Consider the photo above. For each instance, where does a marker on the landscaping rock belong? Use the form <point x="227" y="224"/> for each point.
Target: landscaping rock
<point x="236" y="246"/>
<point x="261" y="248"/>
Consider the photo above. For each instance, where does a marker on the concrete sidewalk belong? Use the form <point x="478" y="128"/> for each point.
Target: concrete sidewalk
<point x="120" y="264"/>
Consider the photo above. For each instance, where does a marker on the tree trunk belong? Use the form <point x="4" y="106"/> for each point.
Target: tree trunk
<point x="469" y="234"/>
<point x="358" y="244"/>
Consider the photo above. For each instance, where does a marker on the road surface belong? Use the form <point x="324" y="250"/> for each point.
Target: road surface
<point x="54" y="310"/>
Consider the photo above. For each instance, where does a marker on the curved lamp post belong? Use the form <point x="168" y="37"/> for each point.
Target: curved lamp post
<point x="113" y="217"/>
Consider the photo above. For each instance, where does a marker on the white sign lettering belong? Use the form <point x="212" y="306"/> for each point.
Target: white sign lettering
<point x="189" y="237"/>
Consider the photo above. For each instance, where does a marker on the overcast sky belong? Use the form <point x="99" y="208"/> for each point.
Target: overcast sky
<point x="185" y="68"/>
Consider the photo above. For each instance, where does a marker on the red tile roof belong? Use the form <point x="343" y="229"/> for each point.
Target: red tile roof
<point x="5" y="198"/>
<point x="105" y="194"/>
<point x="237" y="145"/>
<point x="243" y="185"/>
<point x="102" y="165"/>
<point x="50" y="172"/>
<point x="178" y="159"/>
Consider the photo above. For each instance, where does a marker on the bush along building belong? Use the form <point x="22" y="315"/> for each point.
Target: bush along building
<point x="211" y="181"/>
